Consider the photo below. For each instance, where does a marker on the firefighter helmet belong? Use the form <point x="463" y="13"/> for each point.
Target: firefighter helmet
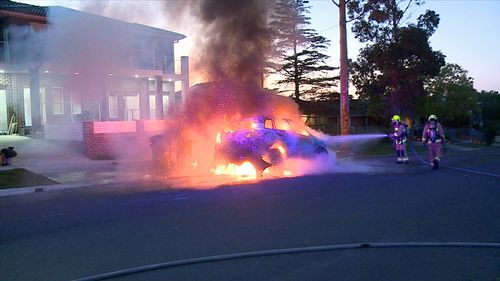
<point x="396" y="118"/>
<point x="433" y="117"/>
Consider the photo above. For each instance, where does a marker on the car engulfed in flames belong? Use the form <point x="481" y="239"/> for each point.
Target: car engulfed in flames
<point x="266" y="142"/>
<point x="235" y="129"/>
<point x="248" y="149"/>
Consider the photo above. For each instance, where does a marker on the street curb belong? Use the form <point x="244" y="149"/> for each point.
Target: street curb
<point x="56" y="187"/>
<point x="35" y="189"/>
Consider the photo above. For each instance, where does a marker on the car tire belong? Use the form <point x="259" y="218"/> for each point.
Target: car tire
<point x="320" y="150"/>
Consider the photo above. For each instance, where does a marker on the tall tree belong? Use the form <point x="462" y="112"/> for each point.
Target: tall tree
<point x="298" y="56"/>
<point x="489" y="115"/>
<point x="391" y="69"/>
<point x="452" y="97"/>
<point x="490" y="106"/>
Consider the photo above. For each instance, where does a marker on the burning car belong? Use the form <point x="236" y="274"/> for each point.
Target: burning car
<point x="266" y="142"/>
<point x="261" y="142"/>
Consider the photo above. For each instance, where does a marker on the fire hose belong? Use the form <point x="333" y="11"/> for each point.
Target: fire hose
<point x="447" y="167"/>
<point x="453" y="168"/>
<point x="285" y="251"/>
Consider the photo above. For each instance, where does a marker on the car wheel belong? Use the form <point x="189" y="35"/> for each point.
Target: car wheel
<point x="274" y="156"/>
<point x="321" y="150"/>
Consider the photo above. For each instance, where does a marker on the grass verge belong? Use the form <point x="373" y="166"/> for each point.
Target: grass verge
<point x="22" y="178"/>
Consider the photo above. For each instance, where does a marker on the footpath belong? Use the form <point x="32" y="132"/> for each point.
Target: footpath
<point x="66" y="164"/>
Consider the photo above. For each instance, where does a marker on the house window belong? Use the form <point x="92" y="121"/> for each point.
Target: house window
<point x="152" y="107"/>
<point x="132" y="109"/>
<point x="113" y="106"/>
<point x="143" y="56"/>
<point x="76" y="106"/>
<point x="4" y="47"/>
<point x="3" y="111"/>
<point x="58" y="100"/>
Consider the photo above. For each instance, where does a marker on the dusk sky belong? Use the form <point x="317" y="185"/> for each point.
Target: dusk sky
<point x="468" y="34"/>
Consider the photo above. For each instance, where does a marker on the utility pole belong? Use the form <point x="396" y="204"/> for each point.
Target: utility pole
<point x="344" y="71"/>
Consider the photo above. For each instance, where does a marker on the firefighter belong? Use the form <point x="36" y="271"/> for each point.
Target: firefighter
<point x="399" y="137"/>
<point x="433" y="136"/>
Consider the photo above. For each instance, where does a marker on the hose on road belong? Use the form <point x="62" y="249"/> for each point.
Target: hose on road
<point x="453" y="168"/>
<point x="163" y="265"/>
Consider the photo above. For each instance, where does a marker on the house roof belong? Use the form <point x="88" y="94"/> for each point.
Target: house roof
<point x="45" y="11"/>
<point x="23" y="8"/>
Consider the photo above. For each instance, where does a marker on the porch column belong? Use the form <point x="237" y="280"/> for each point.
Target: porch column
<point x="185" y="77"/>
<point x="159" y="97"/>
<point x="144" y="99"/>
<point x="36" y="117"/>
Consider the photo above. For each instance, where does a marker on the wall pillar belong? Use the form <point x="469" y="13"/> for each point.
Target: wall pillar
<point x="159" y="97"/>
<point x="36" y="117"/>
<point x="144" y="100"/>
<point x="185" y="77"/>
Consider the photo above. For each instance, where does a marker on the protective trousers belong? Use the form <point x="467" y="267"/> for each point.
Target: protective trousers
<point x="435" y="150"/>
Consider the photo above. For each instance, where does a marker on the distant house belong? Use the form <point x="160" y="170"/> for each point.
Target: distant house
<point x="60" y="67"/>
<point x="324" y="116"/>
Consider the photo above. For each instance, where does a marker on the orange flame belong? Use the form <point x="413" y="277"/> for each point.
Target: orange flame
<point x="279" y="146"/>
<point x="245" y="171"/>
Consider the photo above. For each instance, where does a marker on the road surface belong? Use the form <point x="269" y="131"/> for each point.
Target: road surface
<point x="65" y="235"/>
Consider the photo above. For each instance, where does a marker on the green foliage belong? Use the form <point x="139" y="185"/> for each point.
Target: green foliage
<point x="390" y="71"/>
<point x="298" y="53"/>
<point x="378" y="20"/>
<point x="490" y="114"/>
<point x="490" y="130"/>
<point x="452" y="97"/>
<point x="490" y="105"/>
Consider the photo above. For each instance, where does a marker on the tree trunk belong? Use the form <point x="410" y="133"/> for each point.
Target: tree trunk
<point x="344" y="72"/>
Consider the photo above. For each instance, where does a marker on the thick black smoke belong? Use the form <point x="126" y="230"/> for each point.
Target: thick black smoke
<point x="235" y="40"/>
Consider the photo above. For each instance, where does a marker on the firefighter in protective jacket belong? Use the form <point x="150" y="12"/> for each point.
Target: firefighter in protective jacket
<point x="433" y="136"/>
<point x="399" y="137"/>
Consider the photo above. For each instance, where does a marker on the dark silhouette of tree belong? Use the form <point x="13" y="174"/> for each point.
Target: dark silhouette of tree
<point x="298" y="53"/>
<point x="489" y="115"/>
<point x="390" y="71"/>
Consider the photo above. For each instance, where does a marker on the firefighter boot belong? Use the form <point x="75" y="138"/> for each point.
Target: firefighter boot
<point x="435" y="163"/>
<point x="406" y="160"/>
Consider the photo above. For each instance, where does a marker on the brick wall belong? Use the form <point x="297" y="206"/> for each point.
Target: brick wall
<point x="113" y="139"/>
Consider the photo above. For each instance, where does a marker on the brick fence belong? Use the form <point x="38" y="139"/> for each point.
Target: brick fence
<point x="102" y="139"/>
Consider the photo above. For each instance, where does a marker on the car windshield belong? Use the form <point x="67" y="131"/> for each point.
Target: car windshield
<point x="246" y="124"/>
<point x="298" y="128"/>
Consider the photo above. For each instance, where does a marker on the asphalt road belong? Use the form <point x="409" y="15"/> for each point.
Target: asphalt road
<point x="64" y="235"/>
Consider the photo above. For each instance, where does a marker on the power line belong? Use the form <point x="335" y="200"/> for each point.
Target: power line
<point x="328" y="28"/>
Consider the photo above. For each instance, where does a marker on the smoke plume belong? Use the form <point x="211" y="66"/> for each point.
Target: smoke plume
<point x="235" y="40"/>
